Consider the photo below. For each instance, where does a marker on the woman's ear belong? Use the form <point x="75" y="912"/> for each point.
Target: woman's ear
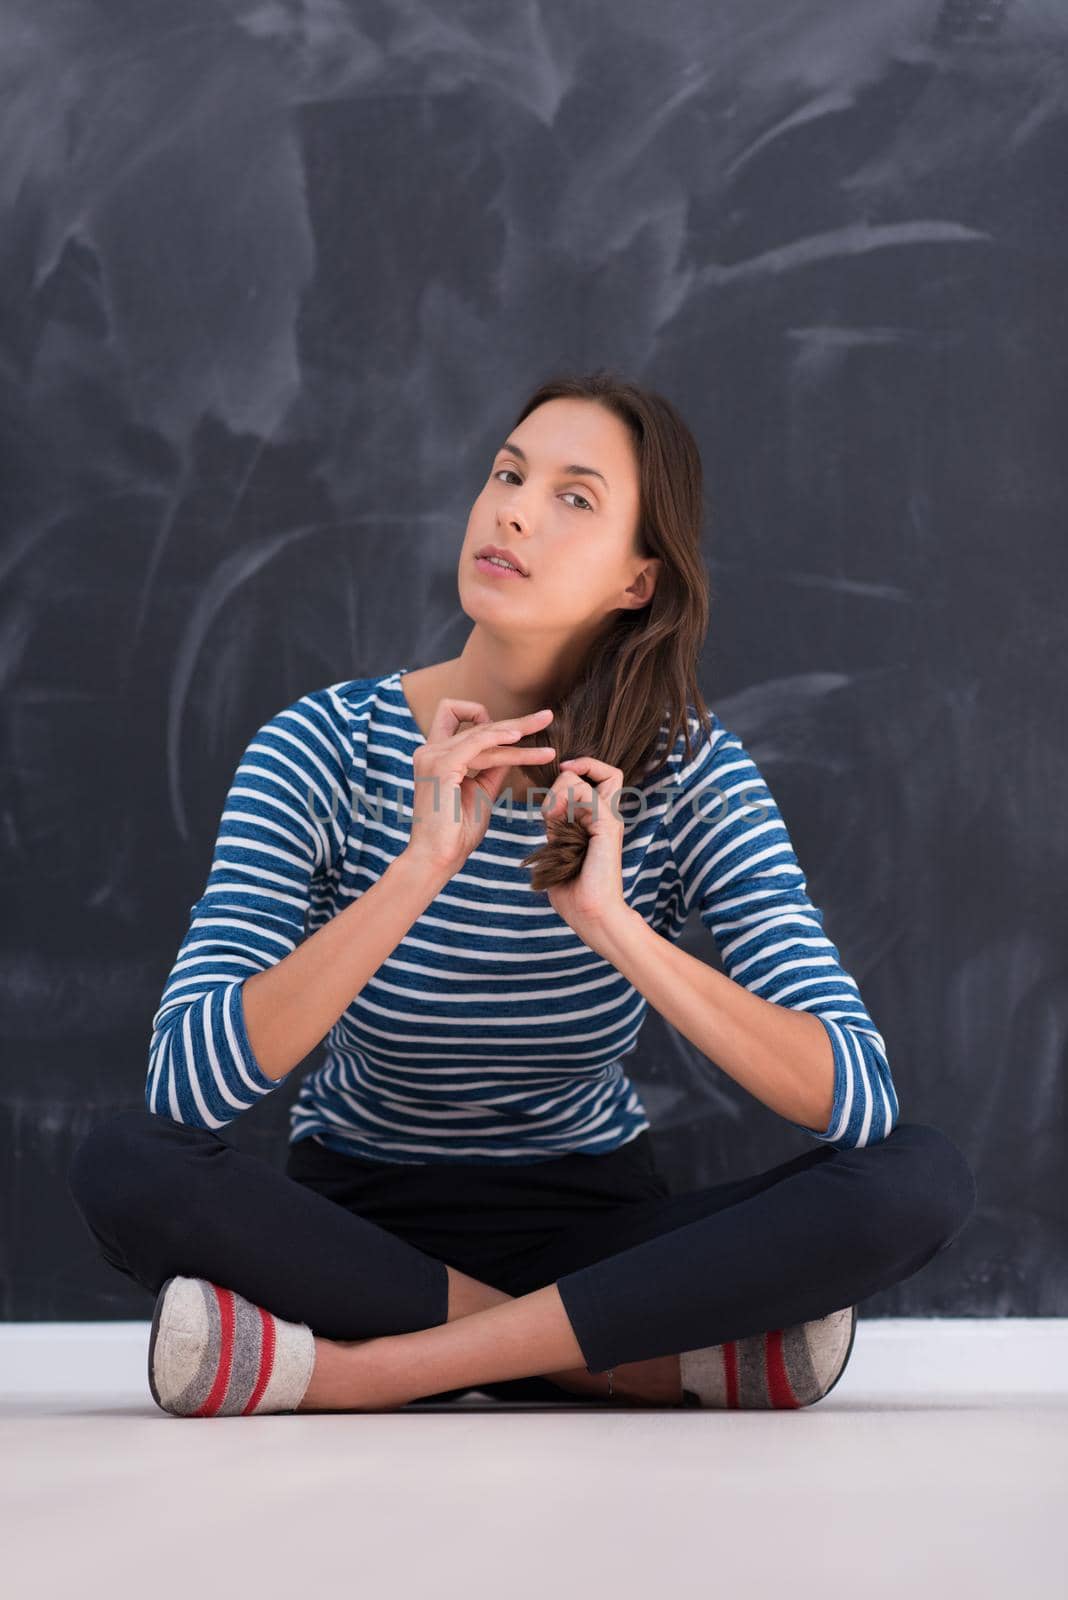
<point x="644" y="586"/>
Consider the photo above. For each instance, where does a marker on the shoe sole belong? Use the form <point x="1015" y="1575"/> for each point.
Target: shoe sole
<point x="845" y="1360"/>
<point x="156" y="1315"/>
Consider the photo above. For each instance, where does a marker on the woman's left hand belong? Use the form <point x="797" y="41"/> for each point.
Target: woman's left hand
<point x="593" y="900"/>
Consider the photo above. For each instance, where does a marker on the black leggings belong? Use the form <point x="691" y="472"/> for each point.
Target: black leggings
<point x="358" y="1248"/>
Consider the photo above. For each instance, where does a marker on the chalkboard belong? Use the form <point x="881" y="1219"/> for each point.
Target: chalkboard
<point x="276" y="282"/>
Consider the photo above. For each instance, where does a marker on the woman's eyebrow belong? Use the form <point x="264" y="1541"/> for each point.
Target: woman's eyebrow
<point x="573" y="470"/>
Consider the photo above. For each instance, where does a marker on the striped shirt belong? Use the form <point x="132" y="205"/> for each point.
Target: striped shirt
<point x="491" y="1033"/>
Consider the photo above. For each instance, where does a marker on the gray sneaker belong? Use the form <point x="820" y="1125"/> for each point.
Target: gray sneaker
<point x="212" y="1353"/>
<point x="783" y="1369"/>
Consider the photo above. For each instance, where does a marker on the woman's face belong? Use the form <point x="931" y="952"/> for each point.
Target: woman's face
<point x="562" y="495"/>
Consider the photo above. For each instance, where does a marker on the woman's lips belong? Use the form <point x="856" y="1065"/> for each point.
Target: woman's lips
<point x="495" y="571"/>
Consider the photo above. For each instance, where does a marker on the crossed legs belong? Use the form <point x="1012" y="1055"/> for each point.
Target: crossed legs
<point x="630" y="1292"/>
<point x="627" y="1292"/>
<point x="384" y="1373"/>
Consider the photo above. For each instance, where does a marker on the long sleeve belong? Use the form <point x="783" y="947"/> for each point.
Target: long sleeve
<point x="283" y="825"/>
<point x="737" y="865"/>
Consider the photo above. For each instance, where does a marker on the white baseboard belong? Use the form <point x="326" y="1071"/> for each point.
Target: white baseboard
<point x="893" y="1358"/>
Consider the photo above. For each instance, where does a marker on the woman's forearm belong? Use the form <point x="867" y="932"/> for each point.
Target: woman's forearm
<point x="292" y="1005"/>
<point x="782" y="1057"/>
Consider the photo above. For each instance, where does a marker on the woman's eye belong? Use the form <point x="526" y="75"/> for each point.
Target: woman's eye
<point x="513" y="474"/>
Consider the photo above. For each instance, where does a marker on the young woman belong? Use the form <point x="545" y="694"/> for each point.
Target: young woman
<point x="470" y="1198"/>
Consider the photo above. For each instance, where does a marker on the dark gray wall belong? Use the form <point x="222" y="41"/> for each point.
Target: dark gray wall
<point x="275" y="281"/>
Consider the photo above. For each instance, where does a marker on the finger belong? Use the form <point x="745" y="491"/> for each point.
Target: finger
<point x="466" y="745"/>
<point x="506" y="755"/>
<point x="485" y="727"/>
<point x="605" y="789"/>
<point x="451" y="713"/>
<point x="607" y="780"/>
<point x="561" y="793"/>
<point x="597" y="770"/>
<point x="529" y="721"/>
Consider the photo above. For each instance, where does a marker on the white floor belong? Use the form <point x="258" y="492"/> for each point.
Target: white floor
<point x="938" y="1463"/>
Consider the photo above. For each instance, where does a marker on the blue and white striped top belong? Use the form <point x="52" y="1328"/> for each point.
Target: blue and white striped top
<point x="492" y="1033"/>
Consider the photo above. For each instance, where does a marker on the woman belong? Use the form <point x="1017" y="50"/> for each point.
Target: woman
<point x="470" y="1198"/>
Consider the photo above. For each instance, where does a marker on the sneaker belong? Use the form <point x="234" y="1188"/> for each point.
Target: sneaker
<point x="783" y="1369"/>
<point x="212" y="1353"/>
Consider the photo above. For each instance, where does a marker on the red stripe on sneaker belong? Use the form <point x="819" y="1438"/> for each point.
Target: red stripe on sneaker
<point x="225" y="1300"/>
<point x="266" y="1360"/>
<point x="780" y="1392"/>
<point x="730" y="1373"/>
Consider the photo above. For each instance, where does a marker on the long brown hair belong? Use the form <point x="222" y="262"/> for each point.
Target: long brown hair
<point x="643" y="667"/>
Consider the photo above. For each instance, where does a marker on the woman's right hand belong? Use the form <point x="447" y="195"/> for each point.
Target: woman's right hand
<point x="469" y="763"/>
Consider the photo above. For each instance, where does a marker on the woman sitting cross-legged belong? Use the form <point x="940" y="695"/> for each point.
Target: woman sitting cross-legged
<point x="470" y="880"/>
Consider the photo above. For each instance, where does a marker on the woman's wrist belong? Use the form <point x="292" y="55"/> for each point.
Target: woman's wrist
<point x="418" y="872"/>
